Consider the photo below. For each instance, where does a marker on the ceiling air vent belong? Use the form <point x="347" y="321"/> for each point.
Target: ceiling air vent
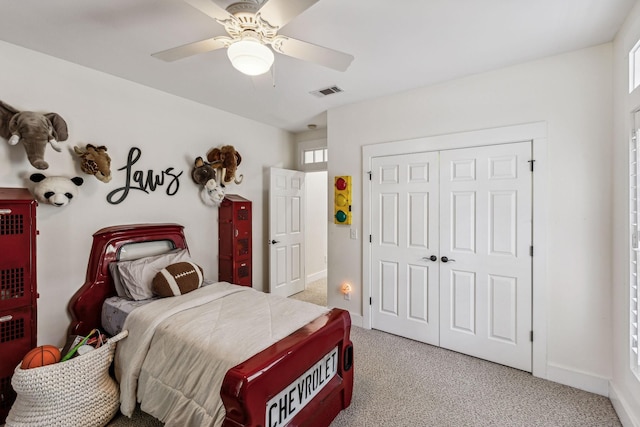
<point x="326" y="92"/>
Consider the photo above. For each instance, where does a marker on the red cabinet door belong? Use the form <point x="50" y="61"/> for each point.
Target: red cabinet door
<point x="18" y="291"/>
<point x="17" y="276"/>
<point x="234" y="240"/>
<point x="17" y="329"/>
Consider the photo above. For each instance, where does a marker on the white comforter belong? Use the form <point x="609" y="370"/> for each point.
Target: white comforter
<point x="179" y="349"/>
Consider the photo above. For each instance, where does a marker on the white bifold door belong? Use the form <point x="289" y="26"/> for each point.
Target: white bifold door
<point x="450" y="248"/>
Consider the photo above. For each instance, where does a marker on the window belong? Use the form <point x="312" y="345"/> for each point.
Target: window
<point x="634" y="258"/>
<point x="634" y="67"/>
<point x="312" y="155"/>
<point x="318" y="155"/>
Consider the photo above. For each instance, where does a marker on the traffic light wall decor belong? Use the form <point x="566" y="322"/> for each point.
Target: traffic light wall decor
<point x="342" y="199"/>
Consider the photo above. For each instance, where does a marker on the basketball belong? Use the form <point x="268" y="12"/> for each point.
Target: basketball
<point x="41" y="356"/>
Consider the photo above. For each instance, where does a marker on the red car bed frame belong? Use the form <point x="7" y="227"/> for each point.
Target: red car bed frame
<point x="260" y="391"/>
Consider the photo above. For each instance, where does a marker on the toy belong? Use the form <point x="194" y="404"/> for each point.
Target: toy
<point x="40" y="356"/>
<point x="34" y="130"/>
<point x="212" y="194"/>
<point x="205" y="174"/>
<point x="81" y="344"/>
<point x="202" y="171"/>
<point x="229" y="159"/>
<point x="95" y="161"/>
<point x="177" y="279"/>
<point x="56" y="190"/>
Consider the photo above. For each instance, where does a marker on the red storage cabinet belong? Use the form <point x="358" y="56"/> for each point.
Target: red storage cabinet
<point x="18" y="291"/>
<point x="234" y="240"/>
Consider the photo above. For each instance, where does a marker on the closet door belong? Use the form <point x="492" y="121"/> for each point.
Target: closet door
<point x="471" y="210"/>
<point x="405" y="235"/>
<point x="485" y="235"/>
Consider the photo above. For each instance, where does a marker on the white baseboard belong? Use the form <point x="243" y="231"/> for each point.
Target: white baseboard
<point x="622" y="407"/>
<point x="356" y="320"/>
<point x="316" y="276"/>
<point x="581" y="380"/>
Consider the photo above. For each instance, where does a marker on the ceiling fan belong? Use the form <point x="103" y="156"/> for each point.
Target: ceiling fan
<point x="253" y="26"/>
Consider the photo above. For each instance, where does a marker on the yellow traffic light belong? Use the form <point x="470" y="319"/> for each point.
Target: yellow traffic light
<point x="342" y="199"/>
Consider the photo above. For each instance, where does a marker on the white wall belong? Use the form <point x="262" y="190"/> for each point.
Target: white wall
<point x="625" y="387"/>
<point x="316" y="226"/>
<point x="572" y="93"/>
<point x="170" y="131"/>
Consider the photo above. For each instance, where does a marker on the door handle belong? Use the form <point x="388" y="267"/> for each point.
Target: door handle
<point x="273" y="242"/>
<point x="445" y="259"/>
<point x="431" y="258"/>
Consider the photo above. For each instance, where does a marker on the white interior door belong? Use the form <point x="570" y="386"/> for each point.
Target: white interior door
<point x="485" y="226"/>
<point x="405" y="220"/>
<point x="286" y="232"/>
<point x="471" y="209"/>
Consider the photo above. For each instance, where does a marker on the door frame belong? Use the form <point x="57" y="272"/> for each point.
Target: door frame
<point x="534" y="132"/>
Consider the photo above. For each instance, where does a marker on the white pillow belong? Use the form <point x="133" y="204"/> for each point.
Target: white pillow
<point x="122" y="290"/>
<point x="117" y="281"/>
<point x="137" y="275"/>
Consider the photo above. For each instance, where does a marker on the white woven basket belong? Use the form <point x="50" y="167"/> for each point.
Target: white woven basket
<point x="78" y="392"/>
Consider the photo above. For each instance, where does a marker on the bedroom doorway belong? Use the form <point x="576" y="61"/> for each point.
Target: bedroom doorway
<point x="298" y="234"/>
<point x="316" y="223"/>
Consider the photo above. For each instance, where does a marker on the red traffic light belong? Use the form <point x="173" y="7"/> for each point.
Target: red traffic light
<point x="341" y="184"/>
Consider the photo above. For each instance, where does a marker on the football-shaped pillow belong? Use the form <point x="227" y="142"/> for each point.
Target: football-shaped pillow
<point x="177" y="279"/>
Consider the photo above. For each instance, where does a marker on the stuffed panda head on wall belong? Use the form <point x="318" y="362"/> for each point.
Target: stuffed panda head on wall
<point x="55" y="190"/>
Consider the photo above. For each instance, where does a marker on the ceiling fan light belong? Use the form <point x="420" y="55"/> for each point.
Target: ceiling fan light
<point x="250" y="57"/>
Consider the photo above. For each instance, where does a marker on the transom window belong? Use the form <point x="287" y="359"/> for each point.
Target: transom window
<point x="318" y="155"/>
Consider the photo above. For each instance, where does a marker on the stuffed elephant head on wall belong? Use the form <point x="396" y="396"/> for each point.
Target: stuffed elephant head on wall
<point x="227" y="159"/>
<point x="33" y="130"/>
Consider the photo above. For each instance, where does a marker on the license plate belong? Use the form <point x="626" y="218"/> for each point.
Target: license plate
<point x="286" y="404"/>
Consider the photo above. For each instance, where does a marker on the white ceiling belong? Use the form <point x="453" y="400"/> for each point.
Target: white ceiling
<point x="398" y="45"/>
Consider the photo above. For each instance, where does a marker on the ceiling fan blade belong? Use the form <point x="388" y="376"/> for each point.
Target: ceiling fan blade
<point x="313" y="53"/>
<point x="194" y="48"/>
<point x="279" y="12"/>
<point x="209" y="7"/>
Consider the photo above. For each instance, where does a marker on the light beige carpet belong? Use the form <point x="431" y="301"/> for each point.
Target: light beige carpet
<point x="315" y="292"/>
<point x="400" y="382"/>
